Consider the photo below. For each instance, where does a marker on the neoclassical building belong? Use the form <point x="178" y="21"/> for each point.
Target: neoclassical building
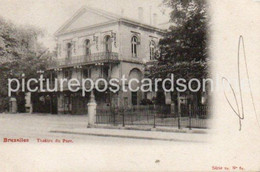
<point x="97" y="44"/>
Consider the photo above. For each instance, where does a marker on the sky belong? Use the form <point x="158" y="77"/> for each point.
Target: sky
<point x="49" y="15"/>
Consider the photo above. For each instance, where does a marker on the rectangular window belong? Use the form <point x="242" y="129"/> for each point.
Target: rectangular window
<point x="53" y="76"/>
<point x="85" y="73"/>
<point x="105" y="71"/>
<point x="68" y="74"/>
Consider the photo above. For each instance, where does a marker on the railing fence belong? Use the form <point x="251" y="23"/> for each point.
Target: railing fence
<point x="84" y="59"/>
<point x="153" y="115"/>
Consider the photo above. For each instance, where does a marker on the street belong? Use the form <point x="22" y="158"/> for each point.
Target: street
<point x="83" y="151"/>
<point x="38" y="126"/>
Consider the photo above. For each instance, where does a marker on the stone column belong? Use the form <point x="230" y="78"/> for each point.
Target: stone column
<point x="92" y="110"/>
<point x="12" y="105"/>
<point x="31" y="108"/>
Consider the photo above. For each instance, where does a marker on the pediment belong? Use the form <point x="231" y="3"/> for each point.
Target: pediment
<point x="86" y="18"/>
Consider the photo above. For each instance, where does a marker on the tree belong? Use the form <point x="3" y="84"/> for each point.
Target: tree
<point x="21" y="55"/>
<point x="183" y="50"/>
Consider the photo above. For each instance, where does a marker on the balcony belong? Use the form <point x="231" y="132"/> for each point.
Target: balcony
<point x="84" y="59"/>
<point x="65" y="86"/>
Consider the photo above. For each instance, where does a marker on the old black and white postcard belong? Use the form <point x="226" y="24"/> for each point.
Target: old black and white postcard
<point x="120" y="85"/>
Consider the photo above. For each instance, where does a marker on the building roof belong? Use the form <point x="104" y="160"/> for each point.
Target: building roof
<point x="111" y="16"/>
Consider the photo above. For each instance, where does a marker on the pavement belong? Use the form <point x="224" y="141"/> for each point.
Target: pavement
<point x="75" y="127"/>
<point x="96" y="149"/>
<point x="151" y="128"/>
<point x="124" y="148"/>
<point x="124" y="132"/>
<point x="147" y="132"/>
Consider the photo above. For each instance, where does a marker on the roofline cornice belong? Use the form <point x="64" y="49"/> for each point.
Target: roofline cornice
<point x="86" y="28"/>
<point x="146" y="26"/>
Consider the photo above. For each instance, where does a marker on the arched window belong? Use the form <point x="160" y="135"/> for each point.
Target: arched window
<point x="134" y="46"/>
<point x="87" y="47"/>
<point x="69" y="50"/>
<point x="152" y="50"/>
<point x="136" y="95"/>
<point x="108" y="43"/>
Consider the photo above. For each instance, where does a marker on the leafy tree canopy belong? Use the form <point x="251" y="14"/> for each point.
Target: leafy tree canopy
<point x="21" y="54"/>
<point x="183" y="50"/>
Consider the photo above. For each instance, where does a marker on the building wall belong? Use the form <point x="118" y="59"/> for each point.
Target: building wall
<point x="126" y="68"/>
<point x="144" y="36"/>
<point x="121" y="45"/>
<point x="78" y="39"/>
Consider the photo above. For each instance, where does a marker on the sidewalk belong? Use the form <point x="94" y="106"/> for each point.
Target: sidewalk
<point x="150" y="128"/>
<point x="135" y="134"/>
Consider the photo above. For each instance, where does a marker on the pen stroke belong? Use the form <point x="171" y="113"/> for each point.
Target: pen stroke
<point x="239" y="104"/>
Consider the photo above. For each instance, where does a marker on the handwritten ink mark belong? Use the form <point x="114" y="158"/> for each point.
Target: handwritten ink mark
<point x="241" y="114"/>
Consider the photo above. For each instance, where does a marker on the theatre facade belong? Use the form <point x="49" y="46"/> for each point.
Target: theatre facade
<point x="98" y="44"/>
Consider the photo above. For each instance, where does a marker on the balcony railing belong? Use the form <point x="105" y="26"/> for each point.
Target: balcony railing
<point x="78" y="60"/>
<point x="65" y="86"/>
